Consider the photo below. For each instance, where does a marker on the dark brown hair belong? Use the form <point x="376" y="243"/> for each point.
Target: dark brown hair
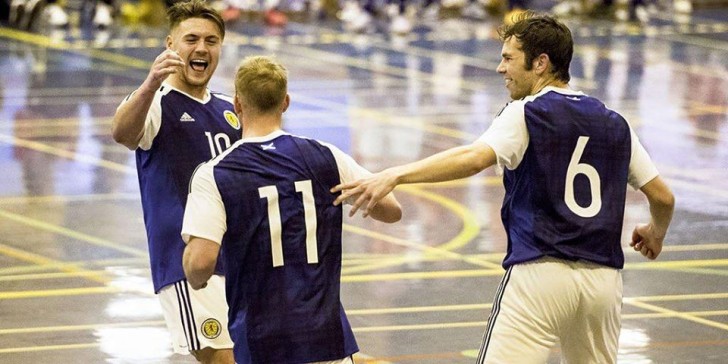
<point x="540" y="34"/>
<point x="184" y="10"/>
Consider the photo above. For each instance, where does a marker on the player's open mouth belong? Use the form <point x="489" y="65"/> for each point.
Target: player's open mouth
<point x="198" y="65"/>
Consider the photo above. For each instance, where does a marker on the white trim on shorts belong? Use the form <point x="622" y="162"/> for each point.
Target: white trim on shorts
<point x="347" y="360"/>
<point x="196" y="319"/>
<point x="493" y="316"/>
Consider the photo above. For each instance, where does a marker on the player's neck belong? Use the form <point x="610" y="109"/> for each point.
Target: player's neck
<point x="546" y="82"/>
<point x="198" y="92"/>
<point x="261" y="125"/>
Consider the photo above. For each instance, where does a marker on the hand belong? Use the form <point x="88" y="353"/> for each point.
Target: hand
<point x="164" y="65"/>
<point x="647" y="241"/>
<point x="365" y="192"/>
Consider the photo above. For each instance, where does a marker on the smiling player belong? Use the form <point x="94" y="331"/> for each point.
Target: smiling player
<point x="174" y="123"/>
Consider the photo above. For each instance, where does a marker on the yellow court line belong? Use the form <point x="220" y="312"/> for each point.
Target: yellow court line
<point x="37" y="276"/>
<point x="69" y="198"/>
<point x="54" y="122"/>
<point x="109" y="90"/>
<point x="671" y="264"/>
<point x="41" y="260"/>
<point x="470" y="229"/>
<point x="692" y="248"/>
<point x="471" y="273"/>
<point x="33" y="330"/>
<point x="95" y="161"/>
<point x="393" y="310"/>
<point x="471" y="181"/>
<point x="681" y="297"/>
<point x="72" y="234"/>
<point x="636" y="316"/>
<point x="48" y="348"/>
<point x="40" y="267"/>
<point x="672" y="313"/>
<point x="430" y="250"/>
<point x="410" y="122"/>
<point x="443" y="325"/>
<point x="705" y="271"/>
<point x="341" y="59"/>
<point x="382" y="311"/>
<point x="58" y="292"/>
<point x="47" y="42"/>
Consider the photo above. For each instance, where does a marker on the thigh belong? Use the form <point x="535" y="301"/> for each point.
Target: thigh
<point x="196" y="319"/>
<point x="530" y="305"/>
<point x="593" y="336"/>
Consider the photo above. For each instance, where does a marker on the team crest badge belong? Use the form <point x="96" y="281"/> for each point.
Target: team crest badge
<point x="232" y="119"/>
<point x="211" y="327"/>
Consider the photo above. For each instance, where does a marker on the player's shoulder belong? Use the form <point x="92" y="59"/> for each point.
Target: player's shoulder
<point x="221" y="96"/>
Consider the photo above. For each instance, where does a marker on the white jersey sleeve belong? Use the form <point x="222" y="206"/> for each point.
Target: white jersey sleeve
<point x="641" y="168"/>
<point x="508" y="135"/>
<point x="205" y="212"/>
<point x="349" y="169"/>
<point x="153" y="121"/>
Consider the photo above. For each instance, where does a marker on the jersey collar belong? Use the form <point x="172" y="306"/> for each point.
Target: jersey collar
<point x="202" y="101"/>
<point x="264" y="138"/>
<point x="563" y="91"/>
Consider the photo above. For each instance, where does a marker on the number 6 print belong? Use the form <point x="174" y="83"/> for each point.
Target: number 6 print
<point x="591" y="173"/>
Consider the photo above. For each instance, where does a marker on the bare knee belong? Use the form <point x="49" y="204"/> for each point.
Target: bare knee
<point x="214" y="356"/>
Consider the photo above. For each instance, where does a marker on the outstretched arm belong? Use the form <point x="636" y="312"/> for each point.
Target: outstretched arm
<point x="455" y="163"/>
<point x="647" y="238"/>
<point x="199" y="261"/>
<point x="128" y="124"/>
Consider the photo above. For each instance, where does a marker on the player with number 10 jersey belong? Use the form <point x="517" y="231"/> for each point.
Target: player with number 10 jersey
<point x="180" y="133"/>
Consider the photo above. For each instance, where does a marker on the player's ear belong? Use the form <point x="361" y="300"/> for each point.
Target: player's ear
<point x="541" y="63"/>
<point x="236" y="104"/>
<point x="168" y="41"/>
<point x="286" y="103"/>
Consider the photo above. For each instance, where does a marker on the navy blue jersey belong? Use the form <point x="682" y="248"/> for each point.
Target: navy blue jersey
<point x="282" y="251"/>
<point x="566" y="197"/>
<point x="181" y="133"/>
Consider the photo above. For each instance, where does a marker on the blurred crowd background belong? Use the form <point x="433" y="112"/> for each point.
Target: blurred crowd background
<point x="400" y="16"/>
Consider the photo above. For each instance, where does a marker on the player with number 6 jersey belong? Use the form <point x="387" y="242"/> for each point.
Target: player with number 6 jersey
<point x="266" y="203"/>
<point x="567" y="160"/>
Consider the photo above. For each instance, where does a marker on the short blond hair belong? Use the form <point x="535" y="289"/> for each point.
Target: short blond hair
<point x="261" y="82"/>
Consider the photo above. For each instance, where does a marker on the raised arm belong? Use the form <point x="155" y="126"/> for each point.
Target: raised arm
<point x="199" y="261"/>
<point x="648" y="238"/>
<point x="128" y="123"/>
<point x="451" y="164"/>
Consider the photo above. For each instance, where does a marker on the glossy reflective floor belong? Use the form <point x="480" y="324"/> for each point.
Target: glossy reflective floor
<point x="74" y="277"/>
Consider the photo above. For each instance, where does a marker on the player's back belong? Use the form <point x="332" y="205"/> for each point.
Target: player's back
<point x="566" y="197"/>
<point x="282" y="251"/>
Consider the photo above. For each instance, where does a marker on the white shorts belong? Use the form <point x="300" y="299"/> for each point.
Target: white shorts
<point x="196" y="319"/>
<point x="346" y="360"/>
<point x="549" y="300"/>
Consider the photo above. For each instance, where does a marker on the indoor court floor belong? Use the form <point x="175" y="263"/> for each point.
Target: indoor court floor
<point x="75" y="285"/>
